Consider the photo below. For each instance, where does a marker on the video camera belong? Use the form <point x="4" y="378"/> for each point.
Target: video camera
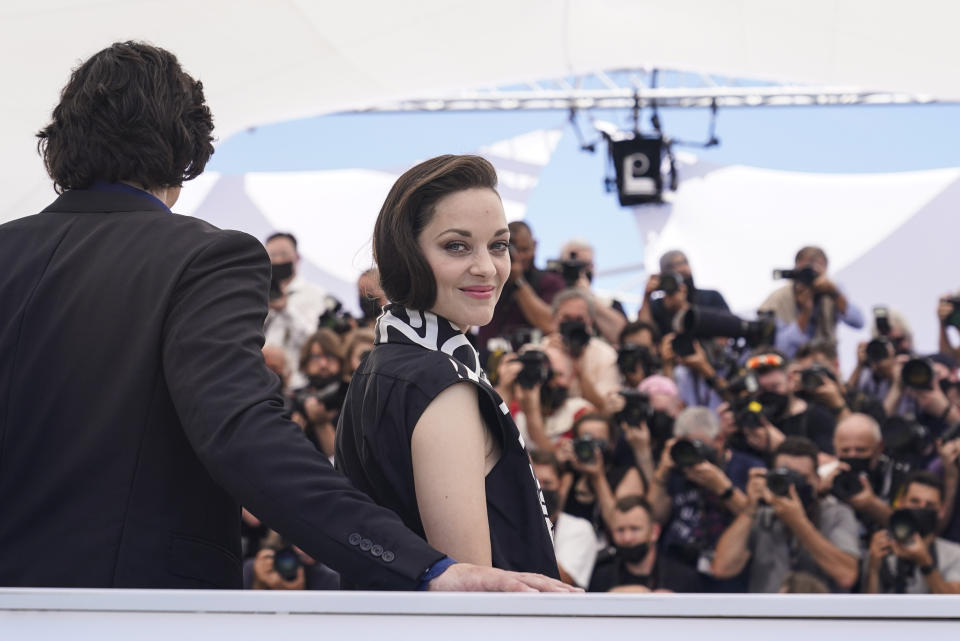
<point x="805" y="275"/>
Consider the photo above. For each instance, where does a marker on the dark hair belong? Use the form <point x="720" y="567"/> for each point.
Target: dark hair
<point x="519" y="224"/>
<point x="405" y="275"/>
<point x="546" y="457"/>
<point x="630" y="501"/>
<point x="282" y="234"/>
<point x="595" y="416"/>
<point x="328" y="340"/>
<point x="798" y="446"/>
<point x="824" y="347"/>
<point x="810" y="251"/>
<point x="129" y="113"/>
<point x="637" y="326"/>
<point x="924" y="477"/>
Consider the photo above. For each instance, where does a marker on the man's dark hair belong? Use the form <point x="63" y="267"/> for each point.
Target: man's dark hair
<point x="798" y="446"/>
<point x="626" y="503"/>
<point x="128" y="114"/>
<point x="923" y="477"/>
<point x="822" y="346"/>
<point x="330" y="344"/>
<point x="637" y="326"/>
<point x="594" y="416"/>
<point x="405" y="275"/>
<point x="519" y="224"/>
<point x="282" y="234"/>
<point x="669" y="257"/>
<point x="810" y="251"/>
<point x="546" y="457"/>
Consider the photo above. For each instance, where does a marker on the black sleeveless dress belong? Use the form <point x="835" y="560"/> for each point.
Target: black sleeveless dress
<point x="416" y="356"/>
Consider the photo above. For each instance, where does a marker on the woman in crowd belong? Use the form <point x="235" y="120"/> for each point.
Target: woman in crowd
<point x="422" y="430"/>
<point x="317" y="405"/>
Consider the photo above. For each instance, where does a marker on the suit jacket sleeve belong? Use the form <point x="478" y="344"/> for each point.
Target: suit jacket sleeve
<point x="229" y="405"/>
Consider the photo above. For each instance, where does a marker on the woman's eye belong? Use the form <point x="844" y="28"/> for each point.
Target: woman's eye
<point x="456" y="247"/>
<point x="500" y="246"/>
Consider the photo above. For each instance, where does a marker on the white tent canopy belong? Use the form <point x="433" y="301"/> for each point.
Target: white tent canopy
<point x="268" y="61"/>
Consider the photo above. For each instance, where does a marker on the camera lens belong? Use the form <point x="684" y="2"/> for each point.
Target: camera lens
<point x="847" y="484"/>
<point x="286" y="563"/>
<point x="903" y="525"/>
<point x="585" y="449"/>
<point x="877" y="350"/>
<point x="685" y="453"/>
<point x="810" y="380"/>
<point x="779" y="481"/>
<point x="917" y="373"/>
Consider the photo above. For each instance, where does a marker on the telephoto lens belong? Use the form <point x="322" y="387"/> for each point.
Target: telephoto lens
<point x="687" y="453"/>
<point x="575" y="335"/>
<point x="846" y="484"/>
<point x="878" y="349"/>
<point x="903" y="525"/>
<point x="535" y="369"/>
<point x="810" y="380"/>
<point x="917" y="373"/>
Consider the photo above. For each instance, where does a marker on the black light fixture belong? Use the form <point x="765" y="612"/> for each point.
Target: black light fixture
<point x="637" y="162"/>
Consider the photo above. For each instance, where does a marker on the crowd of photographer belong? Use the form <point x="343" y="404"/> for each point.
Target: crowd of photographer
<point x="685" y="450"/>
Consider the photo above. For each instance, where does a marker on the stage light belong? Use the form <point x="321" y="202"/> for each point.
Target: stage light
<point x="637" y="162"/>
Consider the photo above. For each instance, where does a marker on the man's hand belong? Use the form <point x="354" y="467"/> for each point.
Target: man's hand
<point x="866" y="497"/>
<point x="317" y="412"/>
<point x="507" y="370"/>
<point x="265" y="577"/>
<point x="697" y="362"/>
<point x="666" y="349"/>
<point x="280" y="303"/>
<point x="594" y="468"/>
<point x="830" y="393"/>
<point x="932" y="401"/>
<point x="756" y="486"/>
<point x="464" y="577"/>
<point x="638" y="436"/>
<point x="881" y="546"/>
<point x="944" y="309"/>
<point x="949" y="455"/>
<point x="789" y="508"/>
<point x="862" y="353"/>
<point x="529" y="399"/>
<point x="516" y="272"/>
<point x="708" y="476"/>
<point x="916" y="550"/>
<point x="614" y="402"/>
<point x="765" y="437"/>
<point x="666" y="461"/>
<point x="653" y="284"/>
<point x="825" y="286"/>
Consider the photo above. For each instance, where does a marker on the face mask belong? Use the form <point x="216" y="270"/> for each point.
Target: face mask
<point x="857" y="465"/>
<point x="633" y="553"/>
<point x="774" y="405"/>
<point x="551" y="498"/>
<point x="552" y="397"/>
<point x="370" y="307"/>
<point x="280" y="272"/>
<point x="320" y="382"/>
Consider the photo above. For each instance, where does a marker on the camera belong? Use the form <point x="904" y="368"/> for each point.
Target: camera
<point x="917" y="373"/>
<point x="585" y="448"/>
<point x="330" y="396"/>
<point x="687" y="453"/>
<point x="637" y="408"/>
<point x="747" y="413"/>
<point x="881" y="316"/>
<point x="704" y="322"/>
<point x="669" y="283"/>
<point x="334" y="316"/>
<point x="905" y="439"/>
<point x="879" y="349"/>
<point x="780" y="479"/>
<point x="805" y="275"/>
<point x="575" y="335"/>
<point x="683" y="345"/>
<point x="535" y="369"/>
<point x="569" y="269"/>
<point x="846" y="484"/>
<point x="286" y="562"/>
<point x="630" y="355"/>
<point x="906" y="522"/>
<point x="813" y="377"/>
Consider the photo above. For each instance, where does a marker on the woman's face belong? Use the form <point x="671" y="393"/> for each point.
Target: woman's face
<point x="466" y="245"/>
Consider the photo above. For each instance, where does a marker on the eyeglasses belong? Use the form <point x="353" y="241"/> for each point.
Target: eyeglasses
<point x="765" y="361"/>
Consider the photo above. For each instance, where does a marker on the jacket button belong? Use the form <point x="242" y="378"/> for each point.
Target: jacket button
<point x="376" y="550"/>
<point x="366" y="544"/>
<point x="354" y="539"/>
<point x="388" y="556"/>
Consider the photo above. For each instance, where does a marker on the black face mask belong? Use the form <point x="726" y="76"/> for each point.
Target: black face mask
<point x="690" y="286"/>
<point x="633" y="553"/>
<point x="552" y="397"/>
<point x="370" y="307"/>
<point x="281" y="271"/>
<point x="857" y="464"/>
<point x="551" y="498"/>
<point x="775" y="405"/>
<point x="320" y="382"/>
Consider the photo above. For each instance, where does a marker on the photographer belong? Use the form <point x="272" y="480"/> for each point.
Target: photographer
<point x="631" y="562"/>
<point x="908" y="557"/>
<point x="317" y="405"/>
<point x="596" y="482"/>
<point x="697" y="489"/>
<point x="948" y="313"/>
<point x="285" y="567"/>
<point x="370" y="296"/>
<point x="574" y="538"/>
<point x="786" y="528"/>
<point x="919" y="384"/>
<point x="877" y="360"/>
<point x="610" y="316"/>
<point x="635" y="360"/>
<point x="863" y="477"/>
<point x="678" y="290"/>
<point x="592" y="361"/>
<point x="811" y="305"/>
<point x="524" y="303"/>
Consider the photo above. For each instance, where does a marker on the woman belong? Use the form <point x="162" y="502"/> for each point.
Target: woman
<point x="422" y="430"/>
<point x="317" y="405"/>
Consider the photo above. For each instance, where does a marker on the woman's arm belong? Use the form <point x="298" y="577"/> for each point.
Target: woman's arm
<point x="449" y="448"/>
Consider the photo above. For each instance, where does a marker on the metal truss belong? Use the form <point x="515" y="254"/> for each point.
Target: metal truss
<point x="626" y="89"/>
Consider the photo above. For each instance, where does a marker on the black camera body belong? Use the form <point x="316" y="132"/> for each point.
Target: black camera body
<point x="569" y="269"/>
<point x="705" y="322"/>
<point x="846" y="485"/>
<point x="575" y="335"/>
<point x="879" y="349"/>
<point x="669" y="283"/>
<point x="814" y="377"/>
<point x="779" y="480"/>
<point x="630" y="355"/>
<point x="535" y="369"/>
<point x="286" y="562"/>
<point x="689" y="452"/>
<point x="806" y="275"/>
<point x="585" y="448"/>
<point x="334" y="317"/>
<point x="905" y="439"/>
<point x="636" y="409"/>
<point x="906" y="522"/>
<point x="747" y="413"/>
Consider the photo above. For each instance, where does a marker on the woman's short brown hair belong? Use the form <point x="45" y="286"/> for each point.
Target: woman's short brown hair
<point x="128" y="114"/>
<point x="405" y="275"/>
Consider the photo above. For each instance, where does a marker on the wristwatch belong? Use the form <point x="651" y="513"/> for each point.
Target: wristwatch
<point x="727" y="493"/>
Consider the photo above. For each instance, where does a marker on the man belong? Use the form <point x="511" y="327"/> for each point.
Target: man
<point x="920" y="562"/>
<point x="695" y="500"/>
<point x="592" y="360"/>
<point x="146" y="327"/>
<point x="611" y="317"/>
<point x="631" y="564"/>
<point x="574" y="538"/>
<point x="304" y="298"/>
<point x="868" y="479"/>
<point x="661" y="311"/>
<point x="371" y="296"/>
<point x="875" y="371"/>
<point x="524" y="303"/>
<point x="790" y="532"/>
<point x="811" y="306"/>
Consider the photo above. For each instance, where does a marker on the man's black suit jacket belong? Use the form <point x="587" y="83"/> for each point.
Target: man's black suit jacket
<point x="136" y="412"/>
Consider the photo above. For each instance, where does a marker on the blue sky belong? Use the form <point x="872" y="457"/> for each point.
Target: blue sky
<point x="848" y="139"/>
